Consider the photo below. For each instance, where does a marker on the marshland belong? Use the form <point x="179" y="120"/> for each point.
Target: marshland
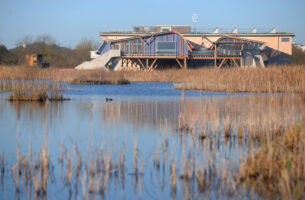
<point x="232" y="133"/>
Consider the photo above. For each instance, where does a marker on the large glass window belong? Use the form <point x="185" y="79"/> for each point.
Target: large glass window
<point x="140" y="47"/>
<point x="127" y="47"/>
<point x="136" y="47"/>
<point x="166" y="48"/>
<point x="116" y="46"/>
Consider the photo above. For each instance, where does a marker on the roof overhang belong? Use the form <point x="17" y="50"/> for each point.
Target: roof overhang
<point x="239" y="34"/>
<point x="237" y="38"/>
<point x="122" y="34"/>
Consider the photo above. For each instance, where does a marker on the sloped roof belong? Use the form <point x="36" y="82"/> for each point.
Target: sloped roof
<point x="153" y="34"/>
<point x="238" y="38"/>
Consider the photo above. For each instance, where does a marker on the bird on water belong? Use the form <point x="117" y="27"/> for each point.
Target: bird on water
<point x="108" y="99"/>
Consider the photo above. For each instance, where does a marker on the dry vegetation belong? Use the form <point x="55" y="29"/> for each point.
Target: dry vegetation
<point x="258" y="129"/>
<point x="34" y="91"/>
<point x="277" y="168"/>
<point x="274" y="164"/>
<point x="62" y="75"/>
<point x="276" y="79"/>
<point x="288" y="79"/>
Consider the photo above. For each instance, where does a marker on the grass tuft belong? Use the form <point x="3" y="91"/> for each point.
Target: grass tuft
<point x="35" y="91"/>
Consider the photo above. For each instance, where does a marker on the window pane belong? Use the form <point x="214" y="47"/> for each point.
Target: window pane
<point x="166" y="52"/>
<point x="165" y="29"/>
<point x="166" y="45"/>
<point x="166" y="48"/>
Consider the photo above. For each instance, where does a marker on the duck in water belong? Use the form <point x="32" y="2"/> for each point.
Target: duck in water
<point x="108" y="99"/>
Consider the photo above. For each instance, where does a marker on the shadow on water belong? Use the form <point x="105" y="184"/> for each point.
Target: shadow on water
<point x="182" y="145"/>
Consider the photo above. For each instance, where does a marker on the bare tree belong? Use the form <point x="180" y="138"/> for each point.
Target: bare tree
<point x="83" y="47"/>
<point x="45" y="38"/>
<point x="85" y="44"/>
<point x="25" y="40"/>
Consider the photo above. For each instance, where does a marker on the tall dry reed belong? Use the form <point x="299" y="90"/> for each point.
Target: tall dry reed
<point x="277" y="168"/>
<point x="289" y="79"/>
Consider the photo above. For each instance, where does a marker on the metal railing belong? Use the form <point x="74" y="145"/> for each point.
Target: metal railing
<point x="211" y="53"/>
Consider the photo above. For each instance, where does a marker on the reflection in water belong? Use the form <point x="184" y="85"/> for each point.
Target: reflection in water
<point x="176" y="148"/>
<point x="243" y="116"/>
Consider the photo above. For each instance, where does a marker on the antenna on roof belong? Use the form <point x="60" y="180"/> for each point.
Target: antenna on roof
<point x="195" y="18"/>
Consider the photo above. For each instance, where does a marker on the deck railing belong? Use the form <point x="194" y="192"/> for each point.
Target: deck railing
<point x="211" y="53"/>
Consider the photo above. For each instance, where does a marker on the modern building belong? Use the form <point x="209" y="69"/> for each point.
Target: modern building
<point x="154" y="47"/>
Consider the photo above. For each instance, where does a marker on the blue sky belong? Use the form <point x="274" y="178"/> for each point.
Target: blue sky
<point x="69" y="21"/>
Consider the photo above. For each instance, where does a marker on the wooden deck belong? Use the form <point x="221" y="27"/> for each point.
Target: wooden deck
<point x="142" y="62"/>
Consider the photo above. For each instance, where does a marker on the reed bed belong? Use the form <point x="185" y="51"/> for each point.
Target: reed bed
<point x="34" y="174"/>
<point x="264" y="80"/>
<point x="72" y="76"/>
<point x="201" y="143"/>
<point x="277" y="168"/>
<point x="190" y="168"/>
<point x="30" y="90"/>
<point x="254" y="123"/>
<point x="284" y="79"/>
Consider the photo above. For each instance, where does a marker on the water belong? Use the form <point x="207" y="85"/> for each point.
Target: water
<point x="156" y="128"/>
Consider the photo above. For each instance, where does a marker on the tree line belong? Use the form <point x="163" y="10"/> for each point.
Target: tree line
<point x="53" y="53"/>
<point x="298" y="55"/>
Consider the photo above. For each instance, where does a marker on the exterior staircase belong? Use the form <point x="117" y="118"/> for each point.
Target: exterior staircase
<point x="100" y="62"/>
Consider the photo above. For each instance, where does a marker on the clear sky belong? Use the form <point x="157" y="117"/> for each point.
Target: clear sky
<point x="69" y="21"/>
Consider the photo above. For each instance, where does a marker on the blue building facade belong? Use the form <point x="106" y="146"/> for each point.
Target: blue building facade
<point x="170" y="44"/>
<point x="171" y="48"/>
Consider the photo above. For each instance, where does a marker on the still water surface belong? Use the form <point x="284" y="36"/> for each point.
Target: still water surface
<point x="150" y="124"/>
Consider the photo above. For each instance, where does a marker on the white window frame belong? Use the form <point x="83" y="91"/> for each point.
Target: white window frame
<point x="166" y="27"/>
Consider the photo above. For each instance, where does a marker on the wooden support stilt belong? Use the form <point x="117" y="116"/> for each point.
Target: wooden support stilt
<point x="179" y="63"/>
<point x="222" y="62"/>
<point x="136" y="63"/>
<point x="215" y="56"/>
<point x="147" y="63"/>
<point x="235" y="63"/>
<point x="131" y="63"/>
<point x="152" y="64"/>
<point x="185" y="63"/>
<point x="156" y="65"/>
<point x="141" y="63"/>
